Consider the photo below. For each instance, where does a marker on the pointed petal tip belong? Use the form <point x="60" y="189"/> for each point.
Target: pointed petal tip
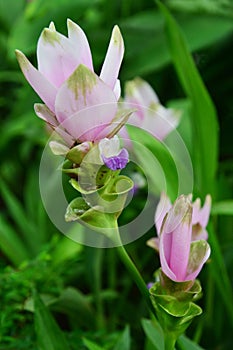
<point x="117" y="37"/>
<point x="73" y="27"/>
<point x="22" y="60"/>
<point x="52" y="26"/>
<point x="49" y="36"/>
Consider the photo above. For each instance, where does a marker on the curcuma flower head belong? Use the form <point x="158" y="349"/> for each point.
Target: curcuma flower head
<point x="181" y="258"/>
<point x="200" y="218"/>
<point x="150" y="114"/>
<point x="84" y="103"/>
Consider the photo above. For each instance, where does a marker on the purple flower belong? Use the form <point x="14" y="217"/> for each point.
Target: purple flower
<point x="74" y="96"/>
<point x="111" y="154"/>
<point x="181" y="258"/>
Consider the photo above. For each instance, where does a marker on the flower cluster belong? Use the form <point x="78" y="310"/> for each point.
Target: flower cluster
<point x="82" y="106"/>
<point x="83" y="109"/>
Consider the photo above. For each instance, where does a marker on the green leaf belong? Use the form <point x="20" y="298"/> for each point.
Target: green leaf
<point x="185" y="343"/>
<point x="90" y="345"/>
<point x="49" y="335"/>
<point x="222" y="208"/>
<point x="20" y="218"/>
<point x="219" y="7"/>
<point x="154" y="332"/>
<point x="205" y="128"/>
<point x="11" y="245"/>
<point x="76" y="304"/>
<point x="124" y="340"/>
<point x="66" y="248"/>
<point x="156" y="161"/>
<point x="155" y="53"/>
<point x="219" y="272"/>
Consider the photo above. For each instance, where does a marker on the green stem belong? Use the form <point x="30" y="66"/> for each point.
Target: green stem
<point x="133" y="271"/>
<point x="169" y="341"/>
<point x="97" y="278"/>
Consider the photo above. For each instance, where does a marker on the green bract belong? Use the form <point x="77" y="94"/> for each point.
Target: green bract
<point x="174" y="303"/>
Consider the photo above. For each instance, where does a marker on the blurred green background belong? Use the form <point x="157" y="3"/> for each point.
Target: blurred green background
<point x="34" y="257"/>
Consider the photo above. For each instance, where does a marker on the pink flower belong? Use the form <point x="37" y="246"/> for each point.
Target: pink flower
<point x="150" y="115"/>
<point x="200" y="218"/>
<point x="74" y="96"/>
<point x="181" y="258"/>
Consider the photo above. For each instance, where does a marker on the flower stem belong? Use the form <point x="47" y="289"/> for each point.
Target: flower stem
<point x="133" y="271"/>
<point x="169" y="342"/>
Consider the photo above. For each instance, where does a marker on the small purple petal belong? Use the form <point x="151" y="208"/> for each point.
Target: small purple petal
<point x="149" y="285"/>
<point x="117" y="162"/>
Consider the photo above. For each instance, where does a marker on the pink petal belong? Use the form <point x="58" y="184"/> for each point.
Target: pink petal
<point x="117" y="89"/>
<point x="150" y="115"/>
<point x="196" y="209"/>
<point x="165" y="244"/>
<point x="178" y="225"/>
<point x="205" y="212"/>
<point x="201" y="215"/>
<point x="117" y="123"/>
<point x="161" y="121"/>
<point x="113" y="58"/>
<point x="138" y="91"/>
<point x="39" y="83"/>
<point x="80" y="42"/>
<point x="57" y="56"/>
<point x="162" y="209"/>
<point x="199" y="232"/>
<point x="43" y="112"/>
<point x="85" y="104"/>
<point x="199" y="253"/>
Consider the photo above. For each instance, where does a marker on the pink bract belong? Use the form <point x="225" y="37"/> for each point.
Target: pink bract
<point x="78" y="102"/>
<point x="181" y="258"/>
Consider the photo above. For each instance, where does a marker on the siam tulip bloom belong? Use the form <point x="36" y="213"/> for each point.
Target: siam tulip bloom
<point x="111" y="154"/>
<point x="181" y="258"/>
<point x="83" y="103"/>
<point x="150" y="114"/>
<point x="200" y="218"/>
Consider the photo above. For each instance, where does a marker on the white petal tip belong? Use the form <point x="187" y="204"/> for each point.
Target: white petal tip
<point x="117" y="37"/>
<point x="22" y="60"/>
<point x="52" y="26"/>
<point x="49" y="36"/>
<point x="73" y="27"/>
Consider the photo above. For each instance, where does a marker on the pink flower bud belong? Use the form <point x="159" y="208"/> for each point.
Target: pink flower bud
<point x="181" y="259"/>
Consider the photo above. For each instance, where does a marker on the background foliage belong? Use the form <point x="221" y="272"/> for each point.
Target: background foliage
<point x="54" y="293"/>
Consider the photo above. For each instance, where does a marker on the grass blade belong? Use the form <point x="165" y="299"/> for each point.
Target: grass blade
<point x="205" y="127"/>
<point x="49" y="335"/>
